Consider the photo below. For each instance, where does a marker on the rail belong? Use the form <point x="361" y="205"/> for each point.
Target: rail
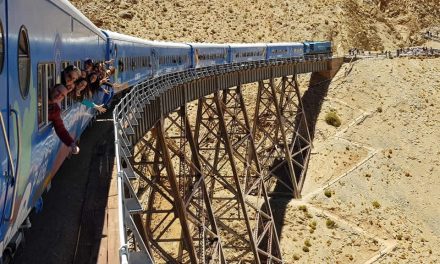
<point x="140" y="108"/>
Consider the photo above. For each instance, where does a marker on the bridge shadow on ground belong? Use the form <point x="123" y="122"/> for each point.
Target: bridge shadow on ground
<point x="69" y="228"/>
<point x="312" y="100"/>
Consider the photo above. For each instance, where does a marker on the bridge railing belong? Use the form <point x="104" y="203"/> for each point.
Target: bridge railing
<point x="128" y="125"/>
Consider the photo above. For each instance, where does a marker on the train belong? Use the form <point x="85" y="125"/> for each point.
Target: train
<point x="38" y="39"/>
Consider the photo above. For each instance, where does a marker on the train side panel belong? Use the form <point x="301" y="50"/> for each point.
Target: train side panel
<point x="132" y="59"/>
<point x="317" y="47"/>
<point x="205" y="55"/>
<point x="56" y="34"/>
<point x="247" y="52"/>
<point x="168" y="57"/>
<point x="5" y="182"/>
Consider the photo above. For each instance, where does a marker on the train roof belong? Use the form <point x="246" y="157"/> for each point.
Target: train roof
<point x="167" y="44"/>
<point x="247" y="45"/>
<point x="283" y="44"/>
<point x="208" y="45"/>
<point x="319" y="41"/>
<point x="119" y="36"/>
<point x="67" y="7"/>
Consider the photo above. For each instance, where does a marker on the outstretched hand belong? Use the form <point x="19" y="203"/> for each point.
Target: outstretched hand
<point x="100" y="108"/>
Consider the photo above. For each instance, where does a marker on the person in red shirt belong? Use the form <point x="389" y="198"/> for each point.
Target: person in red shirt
<point x="56" y="96"/>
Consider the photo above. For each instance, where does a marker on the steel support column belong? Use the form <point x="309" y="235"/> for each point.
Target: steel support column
<point x="248" y="169"/>
<point x="297" y="131"/>
<point x="281" y="133"/>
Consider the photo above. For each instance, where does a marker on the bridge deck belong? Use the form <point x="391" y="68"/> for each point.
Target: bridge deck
<point x="109" y="245"/>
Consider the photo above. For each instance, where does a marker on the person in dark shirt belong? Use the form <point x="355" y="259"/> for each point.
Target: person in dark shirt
<point x="69" y="76"/>
<point x="56" y="95"/>
<point x="88" y="66"/>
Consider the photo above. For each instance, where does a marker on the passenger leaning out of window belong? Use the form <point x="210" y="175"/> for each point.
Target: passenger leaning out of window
<point x="88" y="66"/>
<point x="69" y="76"/>
<point x="56" y="96"/>
<point x="84" y="95"/>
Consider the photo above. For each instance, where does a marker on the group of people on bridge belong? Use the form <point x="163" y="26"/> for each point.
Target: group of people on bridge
<point x="432" y="34"/>
<point x="83" y="85"/>
<point x="412" y="51"/>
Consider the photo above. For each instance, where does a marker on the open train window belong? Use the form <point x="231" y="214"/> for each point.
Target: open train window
<point x="46" y="80"/>
<point x="121" y="65"/>
<point x="24" y="62"/>
<point x="2" y="47"/>
<point x="78" y="64"/>
<point x="64" y="64"/>
<point x="68" y="100"/>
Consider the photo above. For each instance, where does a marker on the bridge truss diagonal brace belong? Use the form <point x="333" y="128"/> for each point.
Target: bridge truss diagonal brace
<point x="301" y="145"/>
<point x="232" y="107"/>
<point x="179" y="204"/>
<point x="288" y="134"/>
<point x="195" y="195"/>
<point x="186" y="192"/>
<point x="240" y="195"/>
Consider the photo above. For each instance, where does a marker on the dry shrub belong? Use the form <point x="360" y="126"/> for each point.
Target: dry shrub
<point x="333" y="119"/>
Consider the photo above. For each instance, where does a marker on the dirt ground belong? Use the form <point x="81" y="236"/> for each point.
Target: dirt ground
<point x="377" y="175"/>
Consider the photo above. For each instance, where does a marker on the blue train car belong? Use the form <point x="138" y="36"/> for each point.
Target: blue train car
<point x="38" y="37"/>
<point x="247" y="52"/>
<point x="132" y="59"/>
<point x="317" y="47"/>
<point x="208" y="54"/>
<point x="284" y="50"/>
<point x="168" y="57"/>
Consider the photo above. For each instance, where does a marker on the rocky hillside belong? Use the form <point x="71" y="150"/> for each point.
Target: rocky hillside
<point x="368" y="24"/>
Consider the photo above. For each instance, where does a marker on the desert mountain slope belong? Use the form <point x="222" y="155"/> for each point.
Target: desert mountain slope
<point x="368" y="24"/>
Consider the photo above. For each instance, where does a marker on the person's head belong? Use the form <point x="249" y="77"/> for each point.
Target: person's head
<point x="83" y="74"/>
<point x="93" y="77"/>
<point x="57" y="93"/>
<point x="88" y="65"/>
<point x="71" y="74"/>
<point x="80" y="84"/>
<point x="70" y="87"/>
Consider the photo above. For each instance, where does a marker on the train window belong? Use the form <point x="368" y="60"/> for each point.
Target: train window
<point x="120" y="65"/>
<point x="68" y="100"/>
<point x="46" y="80"/>
<point x="2" y="47"/>
<point x="24" y="62"/>
<point x="78" y="64"/>
<point x="133" y="63"/>
<point x="64" y="64"/>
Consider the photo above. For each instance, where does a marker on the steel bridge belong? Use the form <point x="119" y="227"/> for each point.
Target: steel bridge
<point x="196" y="165"/>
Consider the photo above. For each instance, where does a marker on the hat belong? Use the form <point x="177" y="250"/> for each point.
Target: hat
<point x="88" y="61"/>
